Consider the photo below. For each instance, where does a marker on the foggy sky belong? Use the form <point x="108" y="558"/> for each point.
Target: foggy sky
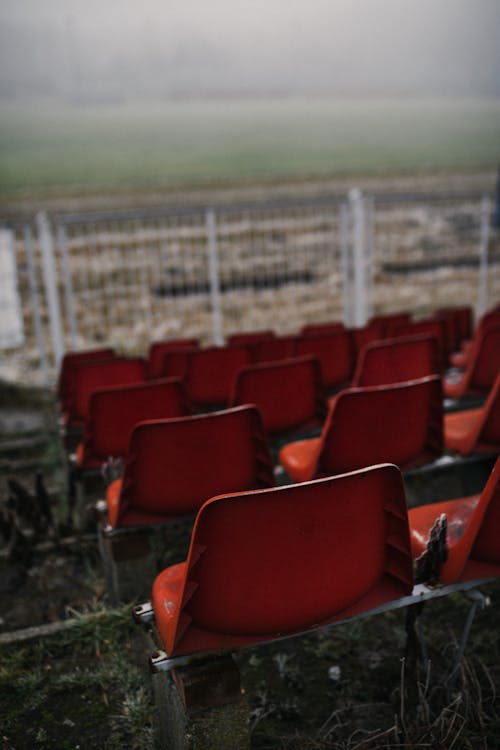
<point x="127" y="49"/>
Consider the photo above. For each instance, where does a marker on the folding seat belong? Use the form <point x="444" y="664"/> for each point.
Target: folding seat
<point x="397" y="360"/>
<point x="462" y="358"/>
<point x="429" y="327"/>
<point x="482" y="369"/>
<point x="288" y="394"/>
<point x="93" y="376"/>
<point x="175" y="363"/>
<point x="72" y="360"/>
<point x="273" y="350"/>
<point x="472" y="535"/>
<point x="158" y="349"/>
<point x="314" y="329"/>
<point x="174" y="465"/>
<point x="211" y="372"/>
<point x="463" y="320"/>
<point x="401" y="423"/>
<point x="276" y="562"/>
<point x="475" y="430"/>
<point x="361" y="337"/>
<point x="115" y="411"/>
<point x="248" y="338"/>
<point x="389" y="321"/>
<point x="334" y="352"/>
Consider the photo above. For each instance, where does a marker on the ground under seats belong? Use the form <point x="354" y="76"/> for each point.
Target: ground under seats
<point x="475" y="430"/>
<point x="482" y="368"/>
<point x="172" y="467"/>
<point x="397" y="360"/>
<point x="158" y="349"/>
<point x="210" y="374"/>
<point x="335" y="353"/>
<point x="68" y="364"/>
<point x="401" y="423"/>
<point x="473" y="531"/>
<point x="92" y="376"/>
<point x="288" y="394"/>
<point x="266" y="564"/>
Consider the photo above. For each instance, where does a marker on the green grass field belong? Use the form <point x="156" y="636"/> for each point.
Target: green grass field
<point x="69" y="146"/>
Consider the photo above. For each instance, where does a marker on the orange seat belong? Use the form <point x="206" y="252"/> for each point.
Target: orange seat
<point x="72" y="360"/>
<point x="397" y="360"/>
<point x="272" y="563"/>
<point x="288" y="394"/>
<point x="482" y="369"/>
<point x="114" y="412"/>
<point x="174" y="465"/>
<point x="335" y="353"/>
<point x="473" y="532"/>
<point x="401" y="423"/>
<point x="158" y="349"/>
<point x="211" y="373"/>
<point x="96" y="375"/>
<point x="475" y="430"/>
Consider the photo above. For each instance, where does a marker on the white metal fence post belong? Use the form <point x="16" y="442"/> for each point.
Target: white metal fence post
<point x="49" y="277"/>
<point x="484" y="236"/>
<point x="62" y="242"/>
<point x="344" y="255"/>
<point x="357" y="209"/>
<point x="213" y="262"/>
<point x="11" y="317"/>
<point x="35" y="303"/>
<point x="370" y="254"/>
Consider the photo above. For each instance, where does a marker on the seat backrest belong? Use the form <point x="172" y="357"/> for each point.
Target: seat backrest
<point x="401" y="423"/>
<point x="211" y="373"/>
<point x="484" y="528"/>
<point x="266" y="564"/>
<point x="71" y="360"/>
<point x="313" y="329"/>
<point x="114" y="412"/>
<point x="273" y="350"/>
<point x="488" y="433"/>
<point x="174" y="465"/>
<point x="389" y="321"/>
<point x="288" y="394"/>
<point x="250" y="337"/>
<point x="175" y="362"/>
<point x="397" y="360"/>
<point x="463" y="321"/>
<point x="334" y="352"/>
<point x="361" y="337"/>
<point x="433" y="327"/>
<point x="158" y="349"/>
<point x="484" y="364"/>
<point x="90" y="377"/>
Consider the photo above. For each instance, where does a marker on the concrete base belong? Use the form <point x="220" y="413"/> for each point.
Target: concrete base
<point x="201" y="707"/>
<point x="130" y="563"/>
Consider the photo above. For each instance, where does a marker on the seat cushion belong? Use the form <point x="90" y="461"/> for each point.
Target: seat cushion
<point x="299" y="459"/>
<point x="422" y="518"/>
<point x="459" y="430"/>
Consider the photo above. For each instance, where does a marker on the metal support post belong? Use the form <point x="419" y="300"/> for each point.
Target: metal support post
<point x="213" y="261"/>
<point x="358" y="215"/>
<point x="62" y="242"/>
<point x="35" y="303"/>
<point x="11" y="317"/>
<point x="344" y="255"/>
<point x="49" y="276"/>
<point x="370" y="253"/>
<point x="483" y="256"/>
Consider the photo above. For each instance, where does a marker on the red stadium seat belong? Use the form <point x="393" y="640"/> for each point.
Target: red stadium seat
<point x="288" y="394"/>
<point x="317" y="329"/>
<point x="482" y="369"/>
<point x="390" y="321"/>
<point x="272" y="563"/>
<point x="361" y="337"/>
<point x="475" y="430"/>
<point x="429" y="327"/>
<point x="72" y="360"/>
<point x="461" y="359"/>
<point x="334" y="352"/>
<point x="174" y="465"/>
<point x="473" y="532"/>
<point x="114" y="412"/>
<point x="400" y="423"/>
<point x="250" y="337"/>
<point x="211" y="373"/>
<point x="273" y="350"/>
<point x="157" y="352"/>
<point x="397" y="360"/>
<point x="175" y="363"/>
<point x="463" y="321"/>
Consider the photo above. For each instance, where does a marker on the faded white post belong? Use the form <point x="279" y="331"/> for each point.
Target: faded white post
<point x="484" y="236"/>
<point x="35" y="303"/>
<point x="62" y="242"/>
<point x="370" y="254"/>
<point x="344" y="259"/>
<point x="213" y="263"/>
<point x="358" y="215"/>
<point x="49" y="277"/>
<point x="11" y="316"/>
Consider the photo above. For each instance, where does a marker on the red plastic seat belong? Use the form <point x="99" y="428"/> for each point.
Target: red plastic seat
<point x="248" y="338"/>
<point x="400" y="423"/>
<point x="361" y="337"/>
<point x="318" y="329"/>
<point x="463" y="321"/>
<point x="288" y="394"/>
<point x="273" y="350"/>
<point x="175" y="362"/>
<point x="389" y="321"/>
<point x="211" y="373"/>
<point x="397" y="360"/>
<point x="482" y="369"/>
<point x="158" y="349"/>
<point x="272" y="563"/>
<point x="94" y="376"/>
<point x="114" y="412"/>
<point x="473" y="532"/>
<point x="461" y="359"/>
<point x="174" y="465"/>
<point x="475" y="430"/>
<point x="429" y="327"/>
<point x="72" y="360"/>
<point x="334" y="352"/>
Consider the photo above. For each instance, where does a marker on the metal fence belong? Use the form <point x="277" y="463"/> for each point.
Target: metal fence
<point x="128" y="278"/>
